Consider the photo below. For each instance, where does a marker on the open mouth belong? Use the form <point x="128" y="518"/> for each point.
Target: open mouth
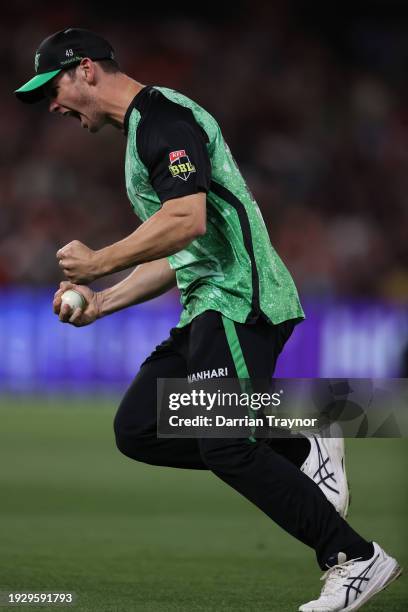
<point x="73" y="114"/>
<point x="77" y="116"/>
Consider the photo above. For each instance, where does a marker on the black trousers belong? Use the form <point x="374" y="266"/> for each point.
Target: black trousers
<point x="265" y="472"/>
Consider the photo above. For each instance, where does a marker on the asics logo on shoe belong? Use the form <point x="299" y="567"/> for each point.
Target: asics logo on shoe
<point x="361" y="578"/>
<point x="325" y="466"/>
<point x="322" y="472"/>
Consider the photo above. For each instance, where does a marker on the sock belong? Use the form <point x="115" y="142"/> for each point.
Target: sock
<point x="362" y="552"/>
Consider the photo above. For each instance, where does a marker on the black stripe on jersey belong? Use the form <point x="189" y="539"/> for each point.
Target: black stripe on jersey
<point x="230" y="198"/>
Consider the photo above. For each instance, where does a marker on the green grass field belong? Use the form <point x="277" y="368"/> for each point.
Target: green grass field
<point x="78" y="516"/>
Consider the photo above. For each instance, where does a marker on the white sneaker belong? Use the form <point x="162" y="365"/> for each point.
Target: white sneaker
<point x="350" y="585"/>
<point x="325" y="465"/>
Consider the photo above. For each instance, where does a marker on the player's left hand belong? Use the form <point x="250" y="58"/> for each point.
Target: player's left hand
<point x="78" y="262"/>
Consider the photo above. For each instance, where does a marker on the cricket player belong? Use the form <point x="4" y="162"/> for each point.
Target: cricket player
<point x="202" y="231"/>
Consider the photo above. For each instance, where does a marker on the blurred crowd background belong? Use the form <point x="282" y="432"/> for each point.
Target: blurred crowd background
<point x="312" y="100"/>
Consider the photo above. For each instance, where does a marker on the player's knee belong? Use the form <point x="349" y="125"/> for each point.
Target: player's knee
<point x="129" y="449"/>
<point x="129" y="443"/>
<point x="132" y="447"/>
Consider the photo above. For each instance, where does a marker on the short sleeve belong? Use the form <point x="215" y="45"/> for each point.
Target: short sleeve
<point x="173" y="147"/>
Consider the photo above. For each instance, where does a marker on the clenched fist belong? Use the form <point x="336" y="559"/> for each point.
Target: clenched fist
<point x="78" y="262"/>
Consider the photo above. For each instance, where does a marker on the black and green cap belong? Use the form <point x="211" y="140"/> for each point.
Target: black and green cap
<point x="59" y="51"/>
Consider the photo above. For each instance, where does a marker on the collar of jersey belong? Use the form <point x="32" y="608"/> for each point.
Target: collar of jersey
<point x="132" y="105"/>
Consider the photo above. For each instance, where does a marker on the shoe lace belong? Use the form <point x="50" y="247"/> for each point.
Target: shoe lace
<point x="334" y="574"/>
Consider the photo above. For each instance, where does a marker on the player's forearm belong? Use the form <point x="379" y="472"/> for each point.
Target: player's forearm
<point x="170" y="230"/>
<point x="146" y="282"/>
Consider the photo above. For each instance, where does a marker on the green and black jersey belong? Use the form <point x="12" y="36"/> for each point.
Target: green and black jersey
<point x="175" y="148"/>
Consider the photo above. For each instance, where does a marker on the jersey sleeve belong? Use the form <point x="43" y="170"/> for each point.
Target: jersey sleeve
<point x="172" y="145"/>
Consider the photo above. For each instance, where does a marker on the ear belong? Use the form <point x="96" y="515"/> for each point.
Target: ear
<point x="87" y="69"/>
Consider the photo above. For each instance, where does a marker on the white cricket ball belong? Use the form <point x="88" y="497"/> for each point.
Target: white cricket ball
<point x="74" y="299"/>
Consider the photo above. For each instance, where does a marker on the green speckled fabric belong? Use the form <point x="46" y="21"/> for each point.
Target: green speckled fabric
<point x="214" y="272"/>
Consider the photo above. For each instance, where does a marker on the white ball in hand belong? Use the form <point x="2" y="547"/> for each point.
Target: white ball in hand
<point x="74" y="299"/>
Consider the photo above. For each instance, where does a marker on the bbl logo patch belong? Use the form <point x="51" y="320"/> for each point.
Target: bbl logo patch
<point x="180" y="165"/>
<point x="36" y="61"/>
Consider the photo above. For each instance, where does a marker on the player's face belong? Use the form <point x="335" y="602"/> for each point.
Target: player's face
<point x="70" y="96"/>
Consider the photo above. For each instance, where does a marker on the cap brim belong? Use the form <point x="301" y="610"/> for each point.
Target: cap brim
<point x="32" y="91"/>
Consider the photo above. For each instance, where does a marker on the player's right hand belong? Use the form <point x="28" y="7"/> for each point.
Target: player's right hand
<point x="78" y="317"/>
